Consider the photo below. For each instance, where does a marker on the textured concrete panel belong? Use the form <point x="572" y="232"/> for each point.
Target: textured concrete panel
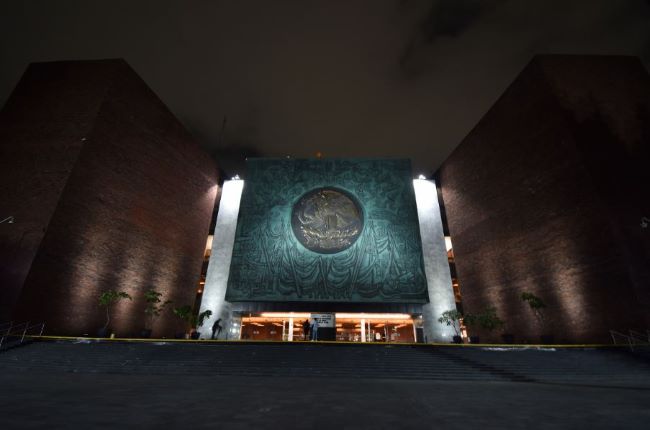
<point x="436" y="265"/>
<point x="216" y="279"/>
<point x="383" y="264"/>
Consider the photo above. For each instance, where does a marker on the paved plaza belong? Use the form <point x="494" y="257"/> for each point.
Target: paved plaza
<point x="76" y="400"/>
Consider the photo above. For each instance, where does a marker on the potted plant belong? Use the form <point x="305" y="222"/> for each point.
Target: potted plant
<point x="198" y="322"/>
<point x="471" y="320"/>
<point x="537" y="306"/>
<point x="184" y="313"/>
<point x="193" y="321"/>
<point x="152" y="310"/>
<point x="487" y="319"/>
<point x="106" y="300"/>
<point x="452" y="317"/>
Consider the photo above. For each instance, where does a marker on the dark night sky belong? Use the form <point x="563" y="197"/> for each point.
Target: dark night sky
<point x="348" y="78"/>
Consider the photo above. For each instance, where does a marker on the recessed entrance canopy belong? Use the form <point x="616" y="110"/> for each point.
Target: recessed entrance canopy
<point x="346" y="327"/>
<point x="339" y="315"/>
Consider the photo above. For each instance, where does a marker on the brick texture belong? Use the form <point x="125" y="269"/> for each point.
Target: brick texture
<point x="133" y="214"/>
<point x="42" y="127"/>
<point x="546" y="195"/>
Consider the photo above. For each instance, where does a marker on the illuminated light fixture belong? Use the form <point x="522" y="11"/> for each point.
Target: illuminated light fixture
<point x="285" y="315"/>
<point x="8" y="220"/>
<point x="338" y="315"/>
<point x="448" y="244"/>
<point x="236" y="178"/>
<point x="199" y="291"/>
<point x="208" y="242"/>
<point x="421" y="176"/>
<point x="374" y="316"/>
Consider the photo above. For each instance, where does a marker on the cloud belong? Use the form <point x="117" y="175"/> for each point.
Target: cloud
<point x="443" y="19"/>
<point x="451" y="17"/>
<point x="400" y="78"/>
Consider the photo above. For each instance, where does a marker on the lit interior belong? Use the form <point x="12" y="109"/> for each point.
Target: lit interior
<point x="288" y="326"/>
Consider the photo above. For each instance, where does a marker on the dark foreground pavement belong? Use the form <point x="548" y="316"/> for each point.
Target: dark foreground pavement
<point x="31" y="400"/>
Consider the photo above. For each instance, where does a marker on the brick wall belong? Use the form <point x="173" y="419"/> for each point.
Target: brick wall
<point x="543" y="196"/>
<point x="41" y="130"/>
<point x="134" y="215"/>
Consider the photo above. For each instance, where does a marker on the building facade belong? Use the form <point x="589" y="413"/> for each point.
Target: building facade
<point x="106" y="190"/>
<point x="103" y="189"/>
<point x="549" y="195"/>
<point x="357" y="240"/>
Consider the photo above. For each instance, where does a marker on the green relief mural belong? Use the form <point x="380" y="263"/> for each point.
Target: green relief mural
<point x="328" y="230"/>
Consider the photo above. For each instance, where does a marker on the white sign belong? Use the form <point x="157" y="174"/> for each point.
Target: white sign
<point x="324" y="320"/>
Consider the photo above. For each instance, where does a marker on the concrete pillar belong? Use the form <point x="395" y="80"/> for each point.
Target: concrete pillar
<point x="436" y="265"/>
<point x="216" y="278"/>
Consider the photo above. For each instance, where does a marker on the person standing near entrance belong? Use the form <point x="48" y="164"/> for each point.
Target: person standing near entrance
<point x="216" y="329"/>
<point x="314" y="330"/>
<point x="305" y="329"/>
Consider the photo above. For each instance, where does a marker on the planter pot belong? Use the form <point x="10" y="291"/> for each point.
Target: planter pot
<point x="547" y="339"/>
<point x="146" y="333"/>
<point x="104" y="332"/>
<point x="508" y="338"/>
<point x="195" y="335"/>
<point x="458" y="339"/>
<point x="474" y="339"/>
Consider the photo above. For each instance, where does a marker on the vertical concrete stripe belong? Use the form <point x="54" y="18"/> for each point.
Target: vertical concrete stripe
<point x="436" y="266"/>
<point x="216" y="279"/>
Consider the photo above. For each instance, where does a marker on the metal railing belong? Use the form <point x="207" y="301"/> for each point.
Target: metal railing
<point x="644" y="337"/>
<point x="12" y="333"/>
<point x="632" y="338"/>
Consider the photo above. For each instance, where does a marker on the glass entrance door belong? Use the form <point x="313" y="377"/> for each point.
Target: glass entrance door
<point x="350" y="327"/>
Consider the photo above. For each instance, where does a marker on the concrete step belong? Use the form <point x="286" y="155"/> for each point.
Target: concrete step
<point x="325" y="360"/>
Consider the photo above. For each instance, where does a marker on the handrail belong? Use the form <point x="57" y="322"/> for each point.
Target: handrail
<point x="614" y="333"/>
<point x="633" y="338"/>
<point x="643" y="337"/>
<point x="21" y="330"/>
<point x="9" y="326"/>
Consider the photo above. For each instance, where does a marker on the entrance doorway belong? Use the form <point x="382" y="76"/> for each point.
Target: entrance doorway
<point x="350" y="327"/>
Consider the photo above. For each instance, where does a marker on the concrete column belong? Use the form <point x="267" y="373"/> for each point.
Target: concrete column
<point x="290" y="337"/>
<point x="436" y="265"/>
<point x="363" y="330"/>
<point x="216" y="278"/>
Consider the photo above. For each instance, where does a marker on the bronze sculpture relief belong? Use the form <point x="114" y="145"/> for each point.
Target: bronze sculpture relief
<point x="327" y="220"/>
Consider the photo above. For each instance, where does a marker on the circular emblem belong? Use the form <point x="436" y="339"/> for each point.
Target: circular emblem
<point x="327" y="220"/>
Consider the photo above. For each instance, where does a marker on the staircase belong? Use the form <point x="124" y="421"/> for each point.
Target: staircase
<point x="611" y="367"/>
